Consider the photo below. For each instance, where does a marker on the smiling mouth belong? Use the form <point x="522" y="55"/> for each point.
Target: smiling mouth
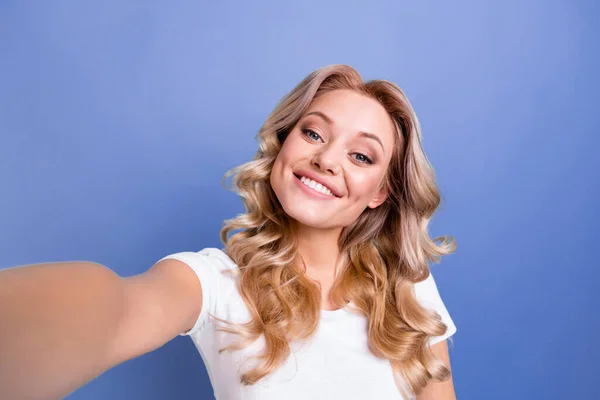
<point x="317" y="187"/>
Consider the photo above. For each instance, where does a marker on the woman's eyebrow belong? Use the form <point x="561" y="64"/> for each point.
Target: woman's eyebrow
<point x="372" y="136"/>
<point x="361" y="133"/>
<point x="322" y="115"/>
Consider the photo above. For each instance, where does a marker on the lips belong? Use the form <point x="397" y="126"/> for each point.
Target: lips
<point x="318" y="179"/>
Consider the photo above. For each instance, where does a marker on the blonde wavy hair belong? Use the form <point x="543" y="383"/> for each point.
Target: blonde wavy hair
<point x="387" y="248"/>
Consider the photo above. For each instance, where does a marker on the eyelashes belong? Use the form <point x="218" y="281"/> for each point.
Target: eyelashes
<point x="363" y="158"/>
<point x="366" y="159"/>
<point x="307" y="132"/>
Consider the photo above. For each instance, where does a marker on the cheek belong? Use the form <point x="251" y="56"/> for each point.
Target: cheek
<point x="364" y="186"/>
<point x="291" y="145"/>
<point x="290" y="153"/>
<point x="281" y="161"/>
<point x="276" y="176"/>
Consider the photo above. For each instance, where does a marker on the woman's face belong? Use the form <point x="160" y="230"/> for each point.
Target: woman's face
<point x="343" y="144"/>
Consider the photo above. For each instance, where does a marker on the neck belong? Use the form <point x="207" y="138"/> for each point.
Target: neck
<point x="322" y="259"/>
<point x="319" y="248"/>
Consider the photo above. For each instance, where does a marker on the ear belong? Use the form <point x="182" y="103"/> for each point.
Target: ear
<point x="379" y="198"/>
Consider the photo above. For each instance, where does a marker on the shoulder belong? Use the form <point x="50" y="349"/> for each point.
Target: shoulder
<point x="428" y="295"/>
<point x="213" y="267"/>
<point x="427" y="291"/>
<point x="216" y="272"/>
<point x="209" y="258"/>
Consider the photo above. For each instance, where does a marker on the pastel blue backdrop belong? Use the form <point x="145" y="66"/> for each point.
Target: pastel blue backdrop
<point x="118" y="120"/>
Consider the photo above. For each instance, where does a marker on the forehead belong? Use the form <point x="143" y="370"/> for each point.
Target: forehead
<point x="352" y="112"/>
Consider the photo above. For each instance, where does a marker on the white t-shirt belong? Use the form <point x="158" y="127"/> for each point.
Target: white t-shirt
<point x="335" y="363"/>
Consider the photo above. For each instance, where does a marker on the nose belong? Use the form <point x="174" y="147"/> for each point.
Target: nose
<point x="327" y="162"/>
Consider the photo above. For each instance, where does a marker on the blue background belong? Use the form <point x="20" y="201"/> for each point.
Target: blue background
<point x="118" y="120"/>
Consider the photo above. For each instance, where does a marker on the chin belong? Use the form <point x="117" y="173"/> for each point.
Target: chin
<point x="307" y="217"/>
<point x="316" y="222"/>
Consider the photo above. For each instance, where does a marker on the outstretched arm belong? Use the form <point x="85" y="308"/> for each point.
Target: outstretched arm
<point x="63" y="324"/>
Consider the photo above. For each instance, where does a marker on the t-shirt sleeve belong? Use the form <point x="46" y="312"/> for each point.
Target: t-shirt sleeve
<point x="209" y="269"/>
<point x="428" y="295"/>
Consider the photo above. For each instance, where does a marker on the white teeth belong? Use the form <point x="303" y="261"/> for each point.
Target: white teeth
<point x="316" y="186"/>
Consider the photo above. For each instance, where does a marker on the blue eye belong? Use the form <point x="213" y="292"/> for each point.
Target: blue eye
<point x="311" y="134"/>
<point x="363" y="158"/>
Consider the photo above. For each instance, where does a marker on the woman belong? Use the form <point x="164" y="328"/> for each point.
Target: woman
<point x="325" y="292"/>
